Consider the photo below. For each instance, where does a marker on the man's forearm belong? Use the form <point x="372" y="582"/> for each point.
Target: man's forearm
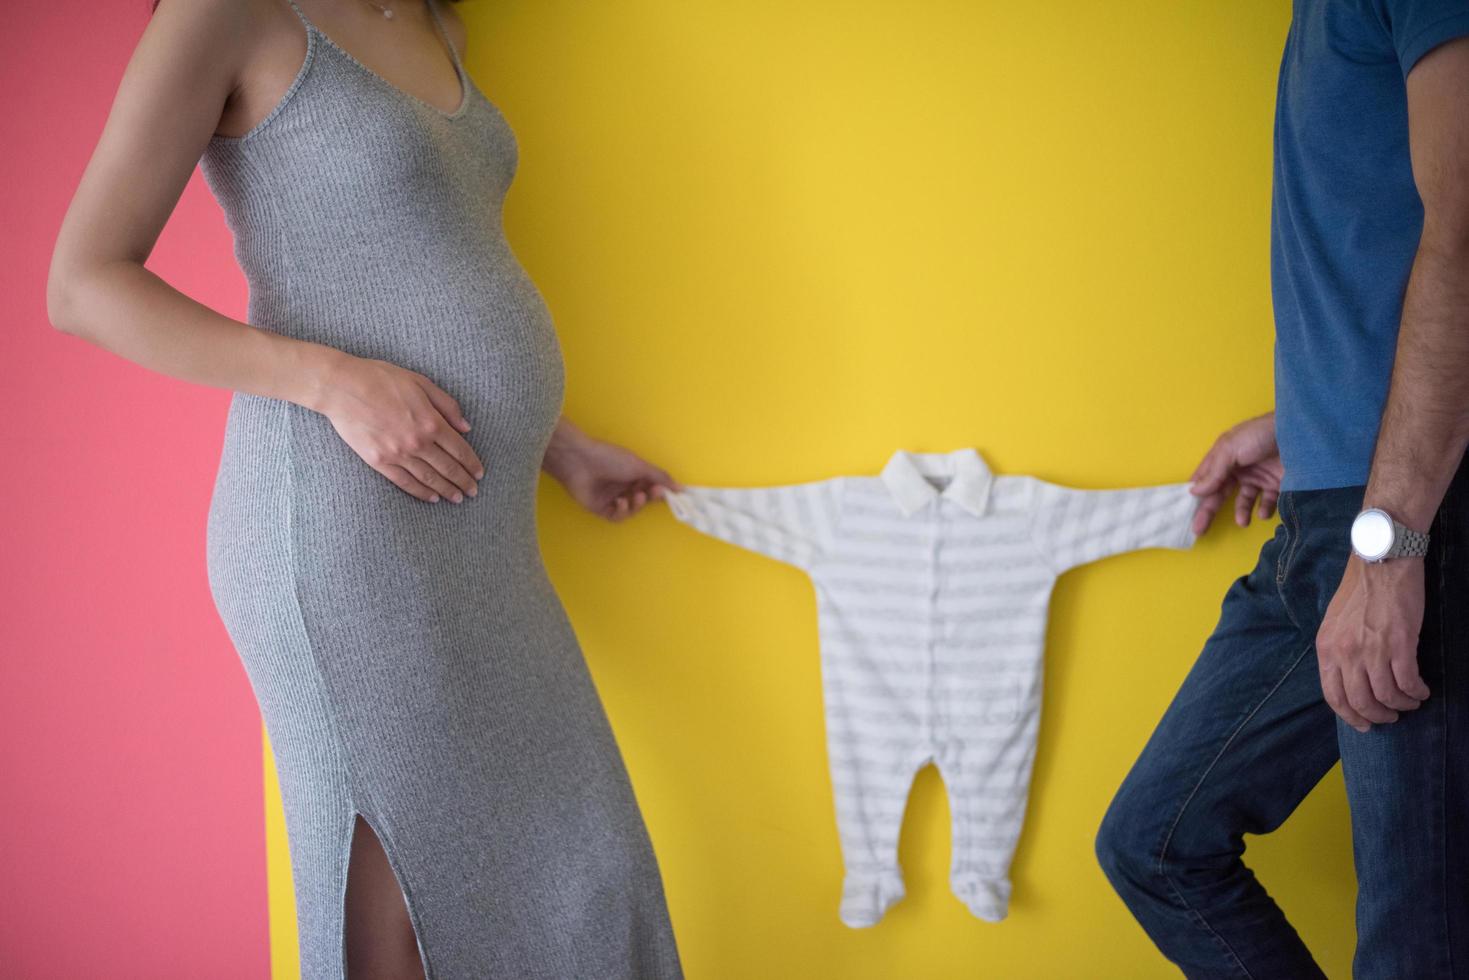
<point x="1425" y="423"/>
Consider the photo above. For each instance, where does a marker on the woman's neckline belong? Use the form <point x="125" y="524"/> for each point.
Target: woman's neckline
<point x="317" y="39"/>
<point x="459" y="73"/>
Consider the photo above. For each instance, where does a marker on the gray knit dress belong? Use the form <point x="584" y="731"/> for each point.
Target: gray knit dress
<point x="412" y="661"/>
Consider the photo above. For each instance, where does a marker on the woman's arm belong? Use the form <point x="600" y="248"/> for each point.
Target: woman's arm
<point x="606" y="479"/>
<point x="167" y="106"/>
<point x="178" y="83"/>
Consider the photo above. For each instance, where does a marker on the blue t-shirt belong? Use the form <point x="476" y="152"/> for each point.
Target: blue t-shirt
<point x="1345" y="221"/>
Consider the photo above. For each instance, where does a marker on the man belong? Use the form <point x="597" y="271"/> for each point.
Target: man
<point x="1322" y="652"/>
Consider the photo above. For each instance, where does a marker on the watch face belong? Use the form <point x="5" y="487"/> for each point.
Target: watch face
<point x="1372" y="534"/>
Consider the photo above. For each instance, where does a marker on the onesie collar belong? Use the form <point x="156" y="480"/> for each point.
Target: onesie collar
<point x="969" y="486"/>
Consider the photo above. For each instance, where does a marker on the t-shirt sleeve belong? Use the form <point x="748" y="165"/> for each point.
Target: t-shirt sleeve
<point x="793" y="524"/>
<point x="1072" y="527"/>
<point x="1419" y="26"/>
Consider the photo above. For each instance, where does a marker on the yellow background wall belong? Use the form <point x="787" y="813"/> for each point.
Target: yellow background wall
<point x="782" y="239"/>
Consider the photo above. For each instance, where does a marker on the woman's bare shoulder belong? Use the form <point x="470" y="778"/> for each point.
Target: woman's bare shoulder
<point x="269" y="46"/>
<point x="219" y="30"/>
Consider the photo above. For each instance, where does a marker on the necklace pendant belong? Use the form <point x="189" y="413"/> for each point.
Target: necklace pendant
<point x="387" y="14"/>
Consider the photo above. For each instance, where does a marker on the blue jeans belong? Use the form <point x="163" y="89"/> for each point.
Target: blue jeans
<point x="1248" y="735"/>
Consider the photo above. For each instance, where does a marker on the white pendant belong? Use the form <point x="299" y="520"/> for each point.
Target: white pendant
<point x="387" y="14"/>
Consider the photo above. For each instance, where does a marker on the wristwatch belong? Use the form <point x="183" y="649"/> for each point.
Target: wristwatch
<point x="1377" y="536"/>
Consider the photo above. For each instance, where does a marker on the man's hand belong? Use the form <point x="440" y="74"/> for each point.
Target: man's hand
<point x="1367" y="647"/>
<point x="1244" y="457"/>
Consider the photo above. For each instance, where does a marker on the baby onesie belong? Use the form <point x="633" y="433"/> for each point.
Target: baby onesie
<point x="932" y="584"/>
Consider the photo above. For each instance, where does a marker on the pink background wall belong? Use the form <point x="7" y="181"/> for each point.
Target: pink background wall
<point x="131" y="841"/>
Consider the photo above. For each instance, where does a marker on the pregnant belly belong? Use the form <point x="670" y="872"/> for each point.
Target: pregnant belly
<point x="387" y="592"/>
<point x="486" y="340"/>
<point x="289" y="486"/>
<point x="481" y="332"/>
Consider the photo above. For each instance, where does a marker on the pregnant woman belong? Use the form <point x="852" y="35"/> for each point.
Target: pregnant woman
<point x="456" y="804"/>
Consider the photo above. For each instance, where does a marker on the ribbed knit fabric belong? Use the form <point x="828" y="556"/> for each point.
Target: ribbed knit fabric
<point x="932" y="585"/>
<point x="412" y="661"/>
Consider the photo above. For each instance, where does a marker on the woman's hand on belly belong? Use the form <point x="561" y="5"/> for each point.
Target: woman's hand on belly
<point x="402" y="425"/>
<point x="606" y="479"/>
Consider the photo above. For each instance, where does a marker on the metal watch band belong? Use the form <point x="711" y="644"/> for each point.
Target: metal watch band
<point x="1407" y="543"/>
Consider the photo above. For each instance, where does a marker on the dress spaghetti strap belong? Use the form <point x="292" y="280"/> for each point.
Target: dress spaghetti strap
<point x="310" y="27"/>
<point x="433" y="11"/>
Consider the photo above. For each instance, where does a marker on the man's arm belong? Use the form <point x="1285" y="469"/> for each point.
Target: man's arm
<point x="1425" y="424"/>
<point x="1367" y="647"/>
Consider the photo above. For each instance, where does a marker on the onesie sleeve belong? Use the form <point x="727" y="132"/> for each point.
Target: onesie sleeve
<point x="1072" y="527"/>
<point x="793" y="524"/>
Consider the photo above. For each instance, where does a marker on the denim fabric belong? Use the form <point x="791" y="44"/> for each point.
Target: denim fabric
<point x="1248" y="735"/>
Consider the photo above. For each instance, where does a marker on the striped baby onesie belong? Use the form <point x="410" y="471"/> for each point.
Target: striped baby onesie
<point x="932" y="584"/>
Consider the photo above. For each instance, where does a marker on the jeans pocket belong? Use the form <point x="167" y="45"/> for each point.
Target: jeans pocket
<point x="1289" y="533"/>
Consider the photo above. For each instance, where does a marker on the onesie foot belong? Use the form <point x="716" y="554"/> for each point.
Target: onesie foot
<point x="867" y="895"/>
<point x="987" y="898"/>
